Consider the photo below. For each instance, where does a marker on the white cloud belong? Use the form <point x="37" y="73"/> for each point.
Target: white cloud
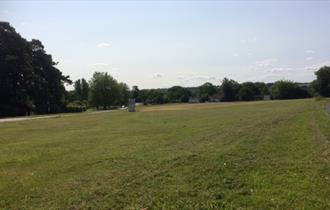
<point x="271" y="67"/>
<point x="309" y="51"/>
<point x="311" y="68"/>
<point x="309" y="58"/>
<point x="279" y="70"/>
<point x="103" y="44"/>
<point x="248" y="40"/>
<point x="99" y="64"/>
<point x="235" y="54"/>
<point x="317" y="66"/>
<point x="191" y="78"/>
<point x="266" y="63"/>
<point x="157" y="75"/>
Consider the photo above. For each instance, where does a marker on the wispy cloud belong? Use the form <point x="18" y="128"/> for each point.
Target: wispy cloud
<point x="310" y="52"/>
<point x="271" y="66"/>
<point x="309" y="58"/>
<point x="98" y="64"/>
<point x="103" y="44"/>
<point x="157" y="75"/>
<point x="191" y="78"/>
<point x="248" y="40"/>
<point x="317" y="66"/>
<point x="266" y="63"/>
<point x="279" y="70"/>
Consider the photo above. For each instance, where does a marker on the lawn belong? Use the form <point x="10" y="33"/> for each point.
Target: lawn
<point x="257" y="155"/>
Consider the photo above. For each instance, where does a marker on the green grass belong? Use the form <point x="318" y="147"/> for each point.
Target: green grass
<point x="258" y="155"/>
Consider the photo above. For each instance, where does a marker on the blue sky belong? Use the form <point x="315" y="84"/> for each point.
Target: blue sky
<point x="160" y="44"/>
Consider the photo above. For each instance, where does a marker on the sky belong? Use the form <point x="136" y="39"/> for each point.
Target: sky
<point x="159" y="44"/>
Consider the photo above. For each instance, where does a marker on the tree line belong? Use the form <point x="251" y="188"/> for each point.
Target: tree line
<point x="231" y="90"/>
<point x="30" y="82"/>
<point x="228" y="90"/>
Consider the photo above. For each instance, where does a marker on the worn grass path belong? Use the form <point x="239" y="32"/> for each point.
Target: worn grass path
<point x="264" y="155"/>
<point x="38" y="117"/>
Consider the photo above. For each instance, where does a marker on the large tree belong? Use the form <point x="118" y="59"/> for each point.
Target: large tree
<point x="29" y="80"/>
<point x="104" y="90"/>
<point x="15" y="71"/>
<point x="229" y="90"/>
<point x="179" y="94"/>
<point x="124" y="93"/>
<point x="81" y="90"/>
<point x="206" y="90"/>
<point x="262" y="89"/>
<point x="248" y="91"/>
<point x="48" y="90"/>
<point x="322" y="83"/>
<point x="84" y="90"/>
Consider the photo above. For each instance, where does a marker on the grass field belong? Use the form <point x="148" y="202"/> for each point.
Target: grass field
<point x="258" y="155"/>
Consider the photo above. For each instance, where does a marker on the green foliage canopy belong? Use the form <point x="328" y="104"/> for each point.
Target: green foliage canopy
<point x="322" y="83"/>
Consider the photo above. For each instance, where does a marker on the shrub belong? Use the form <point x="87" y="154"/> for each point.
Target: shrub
<point x="76" y="106"/>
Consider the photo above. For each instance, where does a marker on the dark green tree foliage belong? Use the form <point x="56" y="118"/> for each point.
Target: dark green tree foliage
<point x="205" y="91"/>
<point x="248" y="92"/>
<point x="285" y="89"/>
<point x="77" y="89"/>
<point x="81" y="90"/>
<point x="124" y="93"/>
<point x="105" y="90"/>
<point x="156" y="97"/>
<point x="262" y="89"/>
<point x="76" y="106"/>
<point x="153" y="96"/>
<point x="178" y="94"/>
<point x="49" y="90"/>
<point x="29" y="80"/>
<point x="322" y="83"/>
<point x="135" y="93"/>
<point x="143" y="95"/>
<point x="229" y="90"/>
<point x="15" y="71"/>
<point x="84" y="89"/>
